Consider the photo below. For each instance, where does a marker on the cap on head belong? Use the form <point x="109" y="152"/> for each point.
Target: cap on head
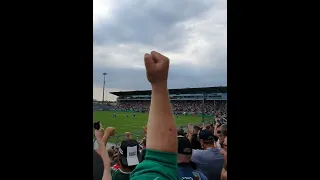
<point x="129" y="152"/>
<point x="206" y="136"/>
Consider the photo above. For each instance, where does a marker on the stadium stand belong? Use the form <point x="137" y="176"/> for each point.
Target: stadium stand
<point x="210" y="101"/>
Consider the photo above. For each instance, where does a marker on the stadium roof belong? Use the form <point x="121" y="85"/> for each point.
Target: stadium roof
<point x="220" y="89"/>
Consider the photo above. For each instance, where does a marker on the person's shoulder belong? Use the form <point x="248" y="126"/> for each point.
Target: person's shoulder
<point x="196" y="156"/>
<point x="197" y="151"/>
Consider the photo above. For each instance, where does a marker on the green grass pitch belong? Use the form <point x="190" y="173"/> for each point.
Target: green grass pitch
<point x="123" y="124"/>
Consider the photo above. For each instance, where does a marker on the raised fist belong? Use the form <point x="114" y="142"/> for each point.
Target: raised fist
<point x="109" y="131"/>
<point x="157" y="67"/>
<point x="102" y="136"/>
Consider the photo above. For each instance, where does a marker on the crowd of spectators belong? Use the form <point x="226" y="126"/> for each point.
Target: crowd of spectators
<point x="218" y="108"/>
<point x="165" y="153"/>
<point x="202" y="150"/>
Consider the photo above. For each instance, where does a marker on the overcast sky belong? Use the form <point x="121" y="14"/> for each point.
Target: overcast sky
<point x="192" y="33"/>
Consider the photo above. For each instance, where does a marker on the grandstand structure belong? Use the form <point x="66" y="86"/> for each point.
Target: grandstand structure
<point x="202" y="95"/>
<point x="195" y="94"/>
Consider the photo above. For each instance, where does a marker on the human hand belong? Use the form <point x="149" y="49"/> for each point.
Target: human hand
<point x="157" y="67"/>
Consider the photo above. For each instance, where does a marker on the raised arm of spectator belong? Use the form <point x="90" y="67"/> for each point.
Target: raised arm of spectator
<point x="102" y="139"/>
<point x="161" y="155"/>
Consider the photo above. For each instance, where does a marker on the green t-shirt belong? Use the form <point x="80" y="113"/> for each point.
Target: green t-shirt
<point x="156" y="166"/>
<point x="118" y="175"/>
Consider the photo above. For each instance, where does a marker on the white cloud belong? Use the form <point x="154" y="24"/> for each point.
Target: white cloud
<point x="102" y="10"/>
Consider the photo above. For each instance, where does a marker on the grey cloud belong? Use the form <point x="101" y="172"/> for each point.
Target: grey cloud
<point x="154" y="23"/>
<point x="162" y="29"/>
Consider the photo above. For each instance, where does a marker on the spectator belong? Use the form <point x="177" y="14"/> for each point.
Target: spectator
<point x="128" y="135"/>
<point x="161" y="154"/>
<point x="217" y="133"/>
<point x="101" y="139"/>
<point x="184" y="156"/>
<point x="110" y="153"/>
<point x="221" y="133"/>
<point x="224" y="153"/>
<point x="127" y="158"/>
<point x="194" y="140"/>
<point x="223" y="130"/>
<point x="217" y="108"/>
<point x="180" y="132"/>
<point x="209" y="161"/>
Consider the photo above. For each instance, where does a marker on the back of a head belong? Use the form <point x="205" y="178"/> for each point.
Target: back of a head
<point x="184" y="149"/>
<point x="98" y="166"/>
<point x="180" y="132"/>
<point x="207" y="137"/>
<point x="110" y="153"/>
<point x="196" y="128"/>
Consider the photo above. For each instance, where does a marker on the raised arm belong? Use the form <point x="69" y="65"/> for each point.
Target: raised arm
<point x="102" y="139"/>
<point x="161" y="124"/>
<point x="161" y="154"/>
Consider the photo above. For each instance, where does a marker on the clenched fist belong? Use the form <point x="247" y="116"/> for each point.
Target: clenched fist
<point x="157" y="67"/>
<point x="109" y="131"/>
<point x="102" y="136"/>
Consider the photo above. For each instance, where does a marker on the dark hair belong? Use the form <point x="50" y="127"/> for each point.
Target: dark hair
<point x="180" y="132"/>
<point x="110" y="153"/>
<point x="197" y="128"/>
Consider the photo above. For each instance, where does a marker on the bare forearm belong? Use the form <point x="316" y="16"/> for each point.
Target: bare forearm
<point x="106" y="162"/>
<point x="190" y="136"/>
<point x="106" y="175"/>
<point x="161" y="126"/>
